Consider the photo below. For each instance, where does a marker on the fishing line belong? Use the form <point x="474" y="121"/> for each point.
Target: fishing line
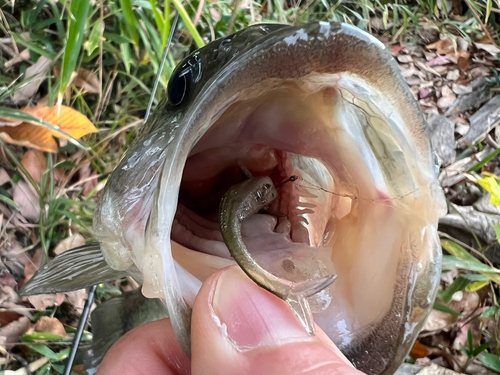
<point x="90" y="298"/>
<point x="160" y="68"/>
<point x="310" y="185"/>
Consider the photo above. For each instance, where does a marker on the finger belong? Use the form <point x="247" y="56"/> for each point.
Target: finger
<point x="151" y="348"/>
<point x="239" y="328"/>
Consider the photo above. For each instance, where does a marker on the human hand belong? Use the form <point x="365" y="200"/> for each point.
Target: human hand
<point x="237" y="328"/>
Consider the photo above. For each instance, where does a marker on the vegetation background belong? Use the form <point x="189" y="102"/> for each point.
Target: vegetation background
<point x="75" y="81"/>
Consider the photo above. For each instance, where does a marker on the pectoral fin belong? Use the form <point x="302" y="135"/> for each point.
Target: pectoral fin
<point x="74" y="269"/>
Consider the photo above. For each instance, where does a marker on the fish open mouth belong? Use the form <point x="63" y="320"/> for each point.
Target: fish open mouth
<point x="328" y="199"/>
<point x="344" y="145"/>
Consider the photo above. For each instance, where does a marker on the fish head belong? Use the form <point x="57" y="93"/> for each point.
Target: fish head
<point x="323" y="112"/>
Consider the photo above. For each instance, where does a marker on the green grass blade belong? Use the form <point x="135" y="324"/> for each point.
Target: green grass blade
<point x="189" y="24"/>
<point x="443" y="308"/>
<point x="76" y="28"/>
<point x="130" y="21"/>
<point x="33" y="47"/>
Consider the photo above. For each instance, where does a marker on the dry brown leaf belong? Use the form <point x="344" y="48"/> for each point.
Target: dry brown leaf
<point x="453" y="75"/>
<point x="7" y="316"/>
<point x="84" y="79"/>
<point x="42" y="301"/>
<point x="50" y="325"/>
<point x="27" y="199"/>
<point x="447" y="98"/>
<point x="40" y="138"/>
<point x="442" y="47"/>
<point x="37" y="74"/>
<point x="72" y="241"/>
<point x="420" y="350"/>
<point x="440" y="60"/>
<point x="463" y="60"/>
<point x="35" y="163"/>
<point x="4" y="177"/>
<point x="32" y="265"/>
<point x="439" y="321"/>
<point x="77" y="299"/>
<point x="5" y="121"/>
<point x="14" y="330"/>
<point x="23" y="56"/>
<point x="405" y="59"/>
<point x="490" y="48"/>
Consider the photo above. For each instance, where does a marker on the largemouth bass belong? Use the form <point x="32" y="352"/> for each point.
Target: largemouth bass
<point x="322" y="110"/>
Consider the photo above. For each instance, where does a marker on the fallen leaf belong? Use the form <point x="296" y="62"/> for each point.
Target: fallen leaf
<point x="424" y="93"/>
<point x="439" y="321"/>
<point x="35" y="163"/>
<point x="40" y="138"/>
<point x="405" y="59"/>
<point x="67" y="119"/>
<point x="36" y="75"/>
<point x="436" y="370"/>
<point x="23" y="56"/>
<point x="490" y="48"/>
<point x="29" y="135"/>
<point x="69" y="243"/>
<point x="42" y="301"/>
<point x="453" y="75"/>
<point x="447" y="98"/>
<point x="5" y="121"/>
<point x="395" y="49"/>
<point x="463" y="60"/>
<point x="27" y="199"/>
<point x="440" y="60"/>
<point x="7" y="316"/>
<point x="50" y="325"/>
<point x="4" y="177"/>
<point x="32" y="265"/>
<point x="442" y="47"/>
<point x="77" y="299"/>
<point x="85" y="80"/>
<point x="14" y="330"/>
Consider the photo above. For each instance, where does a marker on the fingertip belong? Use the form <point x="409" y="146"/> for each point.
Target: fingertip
<point x="151" y="348"/>
<point x="251" y="331"/>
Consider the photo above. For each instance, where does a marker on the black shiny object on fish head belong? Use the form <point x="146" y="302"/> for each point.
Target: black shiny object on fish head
<point x="190" y="74"/>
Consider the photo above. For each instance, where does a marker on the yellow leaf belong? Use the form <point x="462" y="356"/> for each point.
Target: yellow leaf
<point x="29" y="135"/>
<point x="145" y="59"/>
<point x="40" y="138"/>
<point x="67" y="119"/>
<point x="492" y="186"/>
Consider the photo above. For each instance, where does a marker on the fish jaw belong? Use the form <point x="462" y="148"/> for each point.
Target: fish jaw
<point x="388" y="179"/>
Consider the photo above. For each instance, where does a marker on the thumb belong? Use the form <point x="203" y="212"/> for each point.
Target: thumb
<point x="250" y="331"/>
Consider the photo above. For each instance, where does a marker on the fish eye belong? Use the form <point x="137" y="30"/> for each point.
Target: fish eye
<point x="177" y="88"/>
<point x="183" y="79"/>
<point x="267" y="186"/>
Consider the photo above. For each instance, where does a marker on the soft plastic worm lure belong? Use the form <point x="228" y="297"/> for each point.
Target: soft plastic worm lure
<point x="241" y="201"/>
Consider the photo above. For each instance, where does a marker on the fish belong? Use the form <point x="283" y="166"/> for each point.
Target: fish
<point x="320" y="109"/>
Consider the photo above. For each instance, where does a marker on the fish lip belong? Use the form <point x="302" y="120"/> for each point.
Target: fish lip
<point x="220" y="87"/>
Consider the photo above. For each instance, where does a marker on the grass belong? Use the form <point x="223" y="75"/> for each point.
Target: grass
<point x="123" y="42"/>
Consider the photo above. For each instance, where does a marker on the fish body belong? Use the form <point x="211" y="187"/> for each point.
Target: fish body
<point x="323" y="103"/>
